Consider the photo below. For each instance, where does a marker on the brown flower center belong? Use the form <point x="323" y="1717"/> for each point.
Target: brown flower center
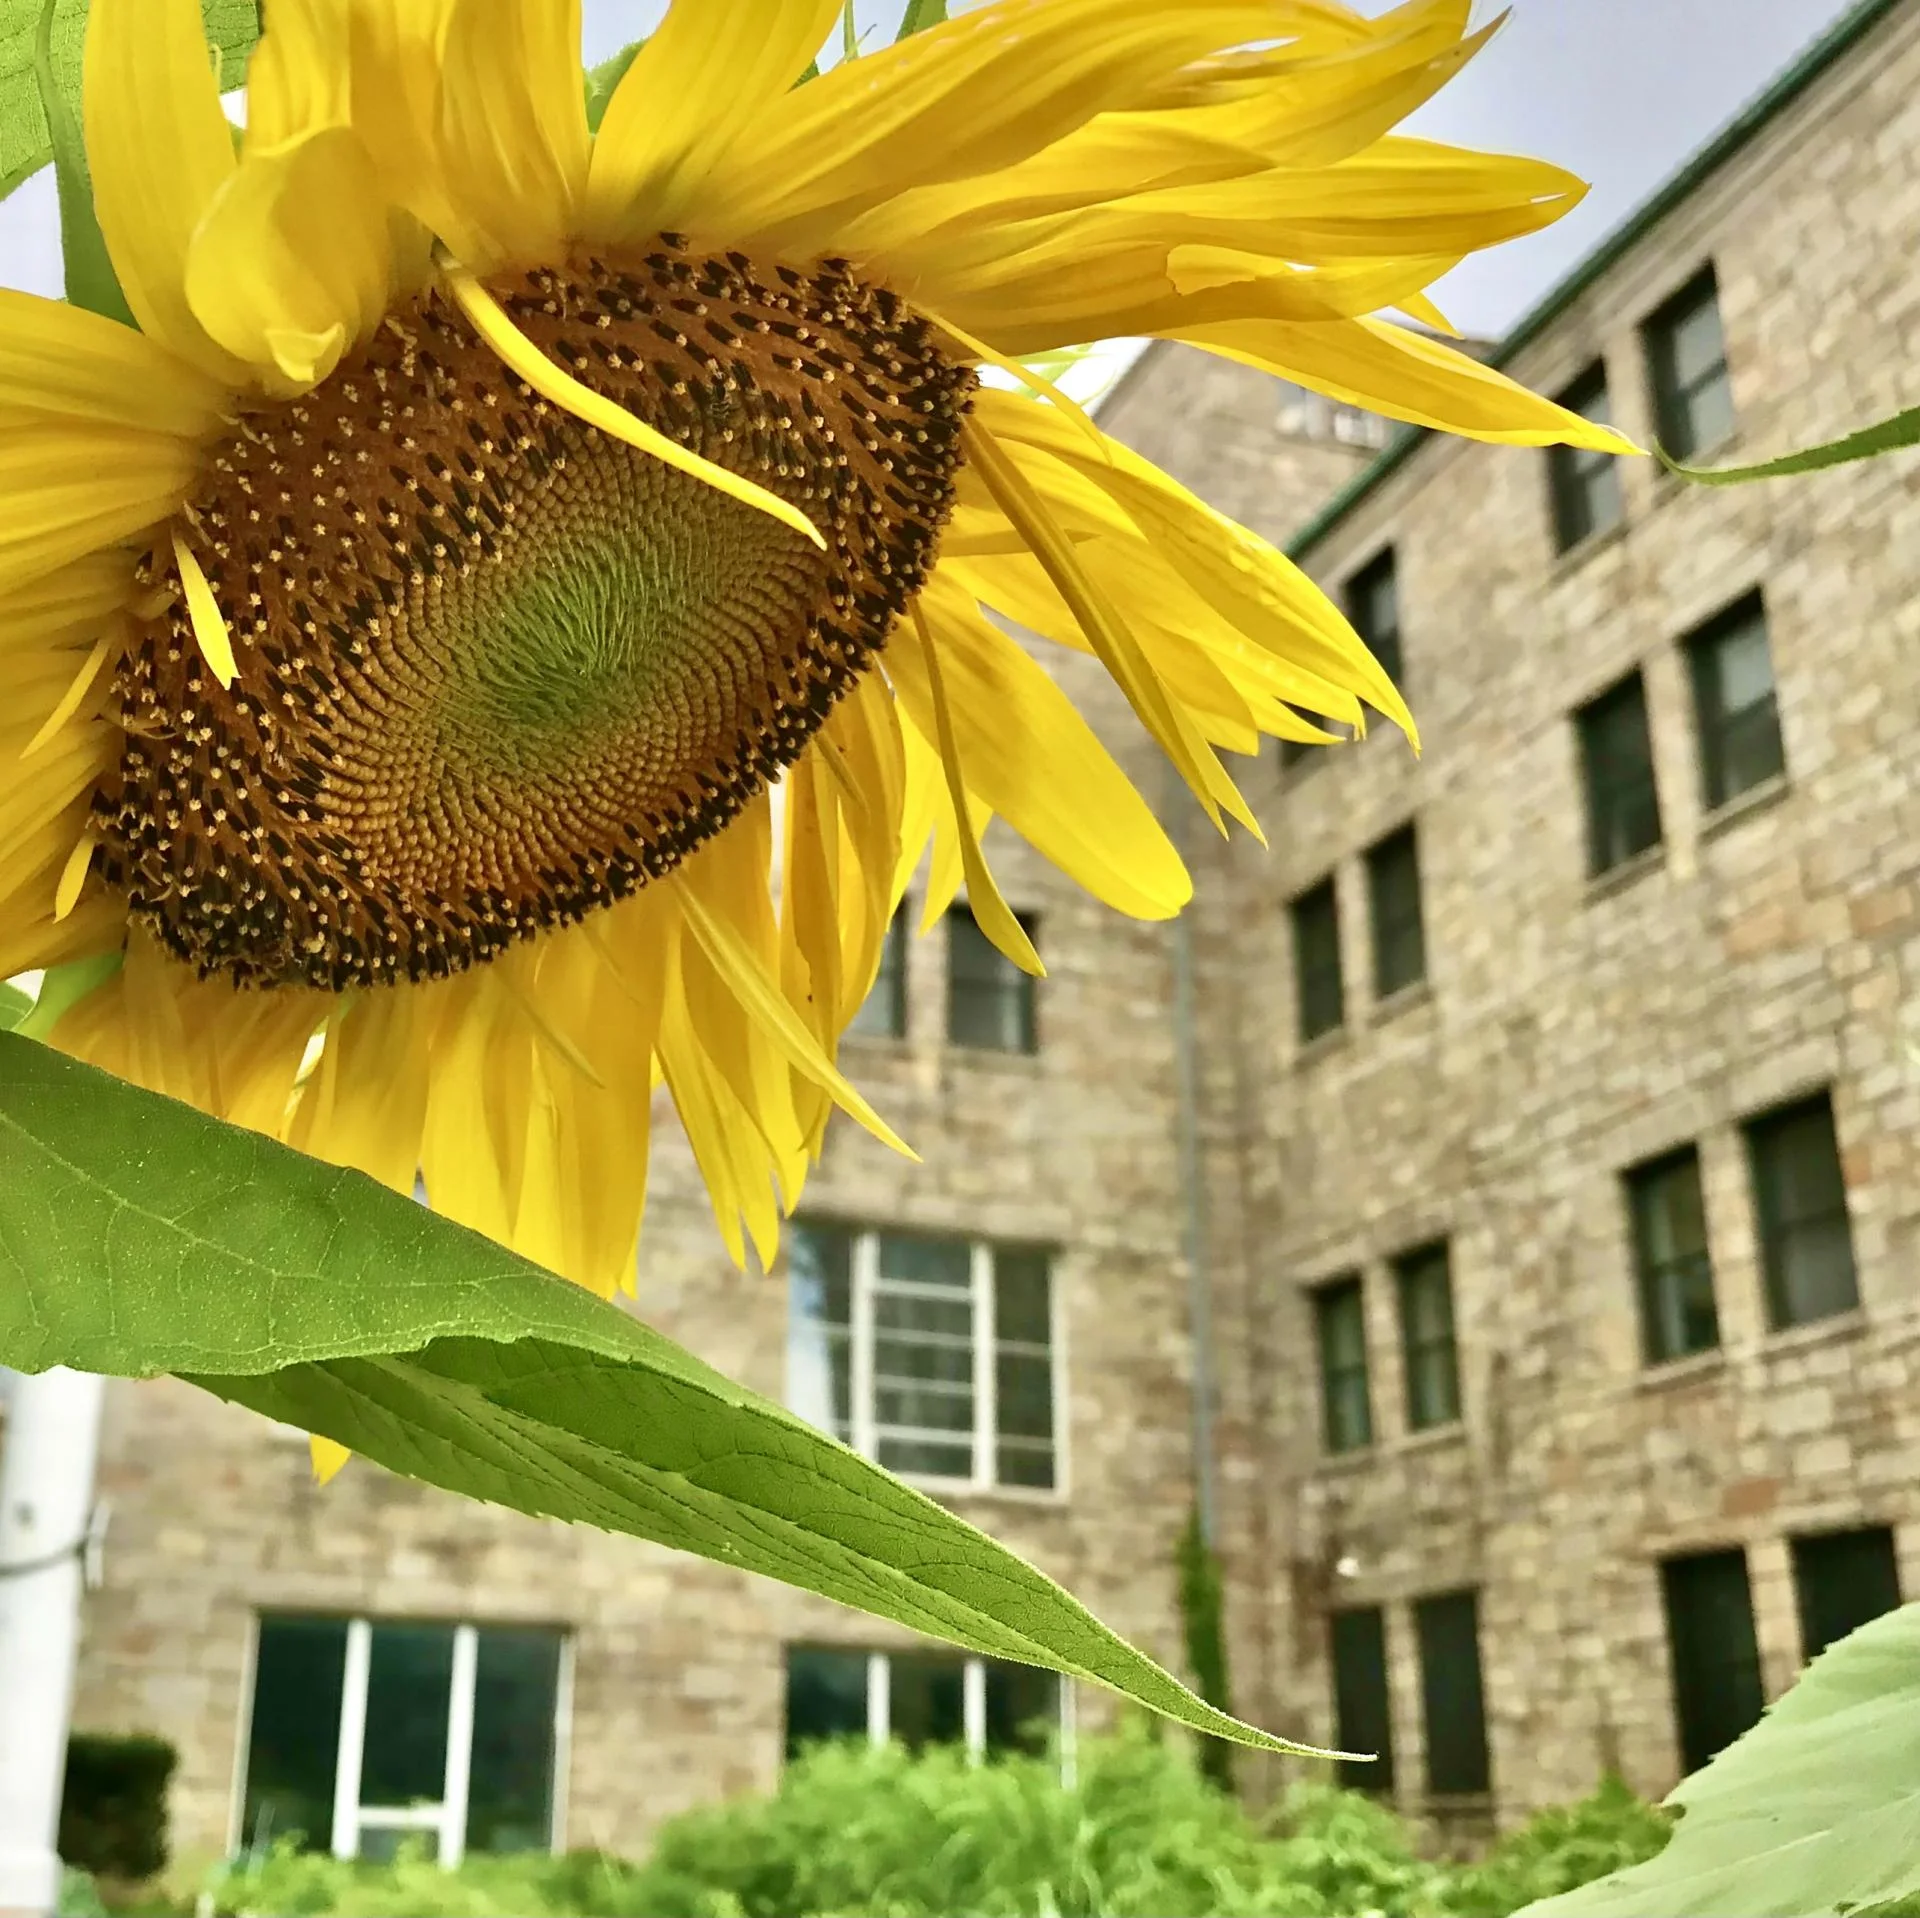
<point x="497" y="668"/>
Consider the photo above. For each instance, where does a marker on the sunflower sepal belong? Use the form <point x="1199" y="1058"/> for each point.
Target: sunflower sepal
<point x="321" y="1299"/>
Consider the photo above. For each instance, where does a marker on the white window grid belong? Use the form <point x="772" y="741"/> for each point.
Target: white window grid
<point x="868" y="1286"/>
<point x="446" y="1820"/>
<point x="973" y="1709"/>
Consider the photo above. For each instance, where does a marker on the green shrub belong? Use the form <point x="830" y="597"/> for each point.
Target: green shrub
<point x="113" y="1806"/>
<point x="79" y="1895"/>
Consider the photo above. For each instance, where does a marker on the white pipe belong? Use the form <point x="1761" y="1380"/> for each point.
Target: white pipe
<point x="46" y="1497"/>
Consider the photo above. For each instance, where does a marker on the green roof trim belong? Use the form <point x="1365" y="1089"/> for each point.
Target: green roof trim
<point x="1838" y="40"/>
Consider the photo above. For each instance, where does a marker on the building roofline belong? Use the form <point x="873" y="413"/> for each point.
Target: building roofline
<point x="1734" y="137"/>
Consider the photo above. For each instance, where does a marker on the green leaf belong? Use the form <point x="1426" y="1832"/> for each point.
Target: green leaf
<point x="26" y="140"/>
<point x="1869" y="443"/>
<point x="138" y="1236"/>
<point x="86" y="267"/>
<point x="920" y="15"/>
<point x="602" y="80"/>
<point x="1814" y="1813"/>
<point x="14" y="1005"/>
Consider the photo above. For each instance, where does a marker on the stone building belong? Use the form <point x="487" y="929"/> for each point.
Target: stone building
<point x="1554" y="1114"/>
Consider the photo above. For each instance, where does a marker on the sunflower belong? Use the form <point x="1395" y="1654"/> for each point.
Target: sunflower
<point x="505" y="628"/>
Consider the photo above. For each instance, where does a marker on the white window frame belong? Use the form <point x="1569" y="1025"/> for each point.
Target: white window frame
<point x="973" y="1697"/>
<point x="445" y="1819"/>
<point x="864" y="1285"/>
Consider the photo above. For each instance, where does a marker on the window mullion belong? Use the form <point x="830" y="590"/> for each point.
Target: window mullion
<point x="453" y="1795"/>
<point x="866" y="1263"/>
<point x="973" y="1707"/>
<point x="986" y="1418"/>
<point x="353" y="1733"/>
<point x="879" y="1699"/>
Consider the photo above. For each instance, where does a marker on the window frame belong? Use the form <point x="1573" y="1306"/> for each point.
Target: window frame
<point x="1659" y="1282"/>
<point x="1772" y="1124"/>
<point x="1411" y="1268"/>
<point x="1409" y="927"/>
<point x="1574" y="473"/>
<point x="891" y="979"/>
<point x="984" y="1439"/>
<point x="1389" y="646"/>
<point x="973" y="1695"/>
<point x="1712" y="725"/>
<point x="1804" y="1549"/>
<point x="1587" y="719"/>
<point x="1323" y="1299"/>
<point x="1674" y="402"/>
<point x="1375" y="1779"/>
<point x="1022" y="986"/>
<point x="1426" y="1609"/>
<point x="445" y="1820"/>
<point x="1302" y="903"/>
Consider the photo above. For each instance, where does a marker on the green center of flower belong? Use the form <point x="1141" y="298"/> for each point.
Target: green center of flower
<point x="497" y="668"/>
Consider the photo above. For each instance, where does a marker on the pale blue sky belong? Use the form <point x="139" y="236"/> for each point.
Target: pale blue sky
<point x="1621" y="91"/>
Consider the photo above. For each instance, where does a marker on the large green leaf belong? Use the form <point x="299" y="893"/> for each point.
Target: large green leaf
<point x="26" y="141"/>
<point x="1887" y="436"/>
<point x="138" y="1236"/>
<point x="1815" y="1813"/>
<point x="14" y="1005"/>
<point x="921" y="14"/>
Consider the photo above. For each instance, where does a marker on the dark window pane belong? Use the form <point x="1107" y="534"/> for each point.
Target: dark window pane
<point x="1339" y="1313"/>
<point x="1373" y="605"/>
<point x="990" y="1002"/>
<point x="1024" y="1391"/>
<point x="1693" y="396"/>
<point x="1023" y="1707"/>
<point x="1585" y="484"/>
<point x="883" y="1012"/>
<point x="1716" y="1663"/>
<point x="1806" y="1241"/>
<point x="1677" y="1312"/>
<point x="1319" y="987"/>
<point x="826" y="1695"/>
<point x="409" y="1681"/>
<point x="1616" y="753"/>
<point x="1734" y="706"/>
<point x="1843" y="1580"/>
<point x="510" y="1785"/>
<point x="293" y="1742"/>
<point x="1393" y="892"/>
<point x="1362" y="1711"/>
<point x="917" y="1260"/>
<point x="1025" y="1462"/>
<point x="1022" y="1295"/>
<point x="919" y="1457"/>
<point x="1425" y="1283"/>
<point x="819" y="1317"/>
<point x="1448" y="1629"/>
<point x="926" y="1700"/>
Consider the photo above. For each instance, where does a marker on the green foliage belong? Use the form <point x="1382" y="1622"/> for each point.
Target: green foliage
<point x="1886" y="436"/>
<point x="138" y="1236"/>
<point x="602" y="80"/>
<point x="26" y="140"/>
<point x="920" y="15"/>
<point x="113" y="1804"/>
<point x="14" y="1006"/>
<point x="859" y="1833"/>
<point x="1815" y="1813"/>
<point x="1204" y="1628"/>
<point x="79" y="1895"/>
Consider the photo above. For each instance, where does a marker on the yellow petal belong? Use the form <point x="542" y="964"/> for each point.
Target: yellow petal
<point x="699" y="86"/>
<point x="159" y="149"/>
<point x="69" y="702"/>
<point x="292" y="264"/>
<point x="60" y="362"/>
<point x="209" y="624"/>
<point x="1028" y="754"/>
<point x="65" y="495"/>
<point x="513" y="127"/>
<point x="520" y="355"/>
<point x="328" y="1456"/>
<point x="73" y="875"/>
<point x="990" y="909"/>
<point x="299" y="73"/>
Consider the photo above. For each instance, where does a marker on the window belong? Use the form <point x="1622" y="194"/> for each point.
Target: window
<point x="1448" y="1630"/>
<point x="883" y="1012"/>
<point x="365" y="1732"/>
<point x="1843" y="1580"/>
<point x="1733" y="703"/>
<point x="1426" y="1334"/>
<point x="920" y="1699"/>
<point x="1806" y="1244"/>
<point x="1677" y="1313"/>
<point x="1362" y="1710"/>
<point x="1320" y="991"/>
<point x="1716" y="1662"/>
<point x="933" y="1356"/>
<point x="1585" y="484"/>
<point x="1393" y="892"/>
<point x="989" y="999"/>
<point x="1687" y="354"/>
<point x="1616" y="753"/>
<point x="1373" y="605"/>
<point x="1340" y="1325"/>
